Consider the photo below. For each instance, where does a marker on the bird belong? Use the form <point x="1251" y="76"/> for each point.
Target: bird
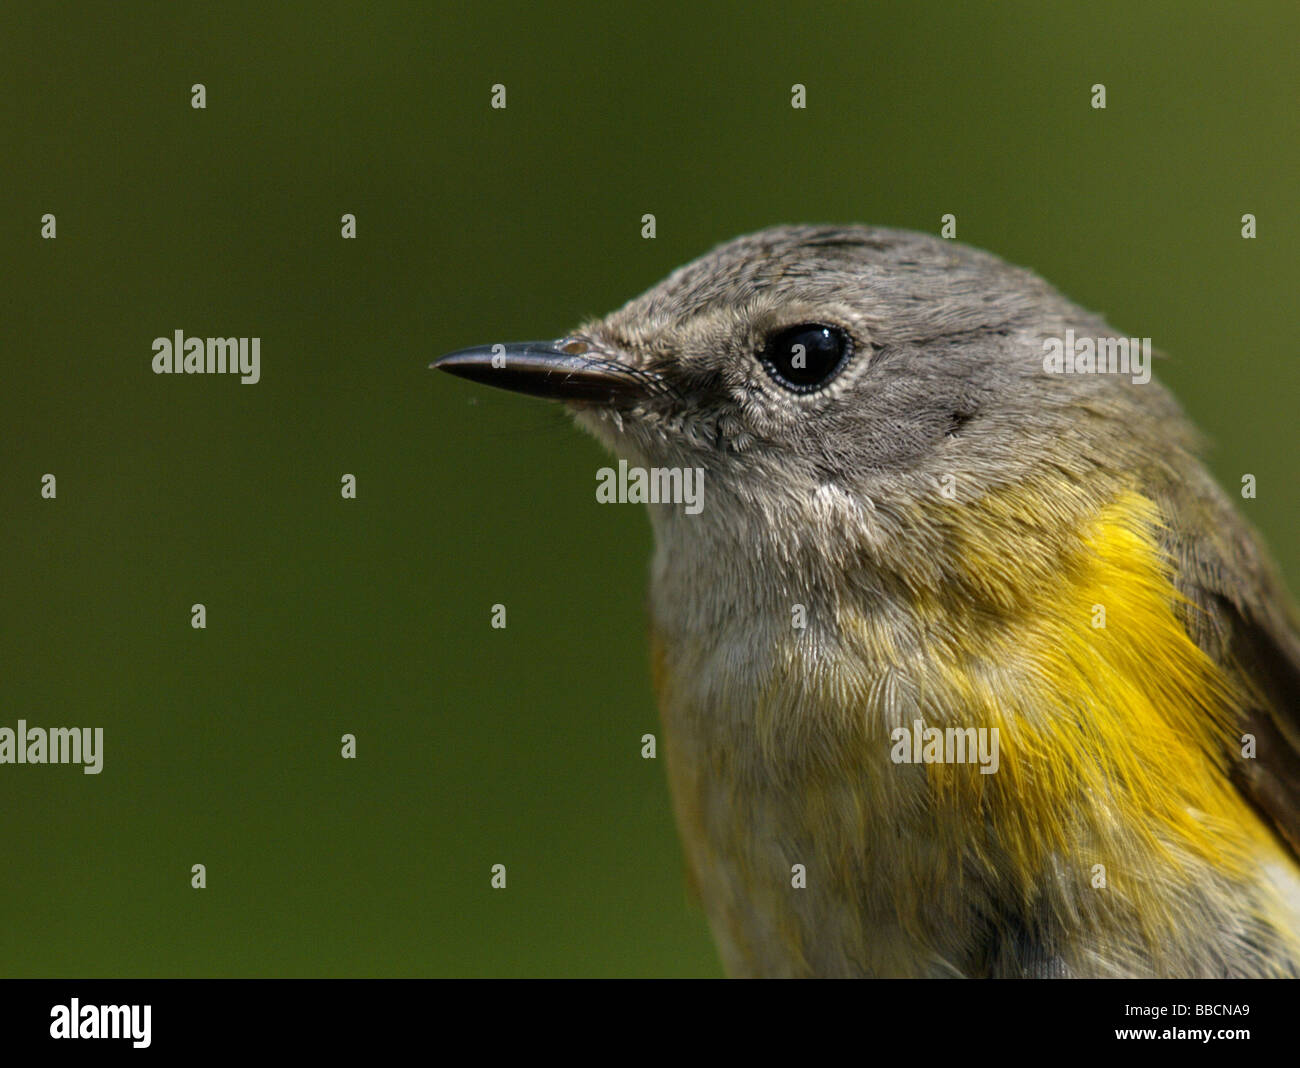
<point x="919" y="523"/>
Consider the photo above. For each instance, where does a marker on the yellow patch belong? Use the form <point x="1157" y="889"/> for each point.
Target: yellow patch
<point x="1113" y="736"/>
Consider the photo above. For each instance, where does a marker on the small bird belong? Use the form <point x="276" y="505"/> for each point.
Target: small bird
<point x="925" y="535"/>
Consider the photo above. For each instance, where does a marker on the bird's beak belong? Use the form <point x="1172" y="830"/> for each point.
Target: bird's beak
<point x="562" y="370"/>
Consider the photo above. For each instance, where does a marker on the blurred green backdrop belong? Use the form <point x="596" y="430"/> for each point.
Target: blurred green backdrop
<point x="479" y="746"/>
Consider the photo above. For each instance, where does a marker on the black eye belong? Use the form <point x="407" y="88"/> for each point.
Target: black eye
<point x="804" y="358"/>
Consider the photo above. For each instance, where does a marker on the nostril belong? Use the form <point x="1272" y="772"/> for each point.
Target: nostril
<point x="575" y="347"/>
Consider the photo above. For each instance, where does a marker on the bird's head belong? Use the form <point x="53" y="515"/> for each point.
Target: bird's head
<point x="830" y="381"/>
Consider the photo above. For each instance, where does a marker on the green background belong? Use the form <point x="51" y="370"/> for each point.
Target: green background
<point x="480" y="746"/>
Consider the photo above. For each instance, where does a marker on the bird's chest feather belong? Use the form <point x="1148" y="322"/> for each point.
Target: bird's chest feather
<point x="807" y="844"/>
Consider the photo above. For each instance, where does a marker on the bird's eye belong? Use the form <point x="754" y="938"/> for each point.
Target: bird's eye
<point x="804" y="358"/>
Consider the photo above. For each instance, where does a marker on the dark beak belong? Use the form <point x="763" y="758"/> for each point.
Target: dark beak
<point x="540" y="369"/>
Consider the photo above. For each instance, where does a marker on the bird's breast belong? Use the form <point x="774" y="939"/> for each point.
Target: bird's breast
<point x="832" y="829"/>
